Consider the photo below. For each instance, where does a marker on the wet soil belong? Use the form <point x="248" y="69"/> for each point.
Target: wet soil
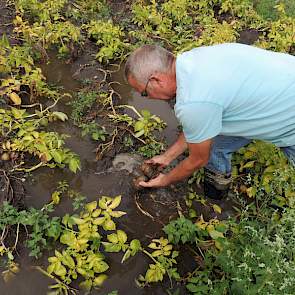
<point x="7" y="16"/>
<point x="249" y="37"/>
<point x="146" y="210"/>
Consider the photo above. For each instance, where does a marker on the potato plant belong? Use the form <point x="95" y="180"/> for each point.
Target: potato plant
<point x="20" y="133"/>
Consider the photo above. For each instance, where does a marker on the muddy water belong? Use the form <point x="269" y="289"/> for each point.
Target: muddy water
<point x="93" y="183"/>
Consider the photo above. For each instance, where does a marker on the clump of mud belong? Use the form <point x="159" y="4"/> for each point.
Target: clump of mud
<point x="160" y="204"/>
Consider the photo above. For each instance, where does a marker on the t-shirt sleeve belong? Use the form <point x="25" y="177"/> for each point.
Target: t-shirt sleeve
<point x="200" y="120"/>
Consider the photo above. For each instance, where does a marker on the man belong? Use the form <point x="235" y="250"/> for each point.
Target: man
<point x="226" y="95"/>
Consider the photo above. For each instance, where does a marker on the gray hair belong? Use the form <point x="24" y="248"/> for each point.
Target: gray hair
<point x="146" y="60"/>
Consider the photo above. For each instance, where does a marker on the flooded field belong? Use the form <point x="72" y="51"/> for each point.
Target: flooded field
<point x="62" y="72"/>
<point x="93" y="182"/>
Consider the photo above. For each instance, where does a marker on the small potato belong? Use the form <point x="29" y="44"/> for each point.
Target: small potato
<point x="147" y="170"/>
<point x="5" y="157"/>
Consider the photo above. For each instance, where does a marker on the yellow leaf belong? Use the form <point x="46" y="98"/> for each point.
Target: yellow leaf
<point x="115" y="202"/>
<point x="78" y="220"/>
<point x="122" y="237"/>
<point x="201" y="224"/>
<point x="90" y="207"/>
<point x="99" y="220"/>
<point x="55" y="197"/>
<point x="15" y="98"/>
<point x="216" y="208"/>
<point x="96" y="213"/>
<point x="98" y="281"/>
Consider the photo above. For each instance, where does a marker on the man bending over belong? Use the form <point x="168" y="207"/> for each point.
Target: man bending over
<point x="226" y="95"/>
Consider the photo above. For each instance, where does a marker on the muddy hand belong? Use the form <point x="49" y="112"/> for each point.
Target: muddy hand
<point x="159" y="181"/>
<point x="161" y="160"/>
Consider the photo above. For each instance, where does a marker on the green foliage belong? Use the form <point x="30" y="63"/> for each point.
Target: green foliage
<point x="18" y="70"/>
<point x="85" y="10"/>
<point x="163" y="257"/>
<point x="199" y="233"/>
<point x="181" y="229"/>
<point x="62" y="34"/>
<point x="78" y="199"/>
<point x="20" y="132"/>
<point x="266" y="8"/>
<point x="42" y="228"/>
<point x="97" y="132"/>
<point x="172" y="21"/>
<point x="41" y="11"/>
<point x="257" y="259"/>
<point x="82" y="236"/>
<point x="279" y="35"/>
<point x="249" y="257"/>
<point x="143" y="127"/>
<point x="151" y="149"/>
<point x="82" y="104"/>
<point x="46" y="26"/>
<point x="147" y="123"/>
<point x="268" y="178"/>
<point x="108" y="37"/>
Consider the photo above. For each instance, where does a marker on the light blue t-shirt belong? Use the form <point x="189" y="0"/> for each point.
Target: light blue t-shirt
<point x="236" y="90"/>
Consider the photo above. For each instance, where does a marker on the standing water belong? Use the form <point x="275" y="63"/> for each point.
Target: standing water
<point x="92" y="183"/>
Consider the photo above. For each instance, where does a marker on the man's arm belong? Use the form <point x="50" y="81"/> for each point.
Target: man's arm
<point x="199" y="154"/>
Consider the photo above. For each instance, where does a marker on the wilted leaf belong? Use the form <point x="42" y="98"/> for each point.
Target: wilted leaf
<point x="74" y="165"/>
<point x="139" y="125"/>
<point x="98" y="281"/>
<point x="90" y="207"/>
<point x="113" y="238"/>
<point x="60" y="115"/>
<point x="115" y="202"/>
<point x="122" y="237"/>
<point x="117" y="214"/>
<point x="216" y="208"/>
<point x="15" y="98"/>
<point x="55" y="197"/>
<point x="109" y="225"/>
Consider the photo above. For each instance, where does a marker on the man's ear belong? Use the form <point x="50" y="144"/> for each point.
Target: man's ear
<point x="157" y="78"/>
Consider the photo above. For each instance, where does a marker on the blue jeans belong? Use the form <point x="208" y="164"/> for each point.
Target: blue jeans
<point x="223" y="147"/>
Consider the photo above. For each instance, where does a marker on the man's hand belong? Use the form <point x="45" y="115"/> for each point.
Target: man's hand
<point x="160" y="181"/>
<point x="172" y="153"/>
<point x="162" y="161"/>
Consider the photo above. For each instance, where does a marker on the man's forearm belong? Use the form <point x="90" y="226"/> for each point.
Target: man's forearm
<point x="184" y="169"/>
<point x="176" y="149"/>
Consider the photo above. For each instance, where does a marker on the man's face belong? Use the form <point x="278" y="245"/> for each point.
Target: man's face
<point x="158" y="86"/>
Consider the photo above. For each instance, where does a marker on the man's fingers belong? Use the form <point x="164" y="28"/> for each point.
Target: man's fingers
<point x="144" y="184"/>
<point x="149" y="161"/>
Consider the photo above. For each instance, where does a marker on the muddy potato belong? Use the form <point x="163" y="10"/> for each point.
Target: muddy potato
<point x="148" y="170"/>
<point x="137" y="180"/>
<point x="5" y="157"/>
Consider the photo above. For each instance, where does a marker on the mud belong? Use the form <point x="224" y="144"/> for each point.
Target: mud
<point x="7" y="16"/>
<point x="248" y="36"/>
